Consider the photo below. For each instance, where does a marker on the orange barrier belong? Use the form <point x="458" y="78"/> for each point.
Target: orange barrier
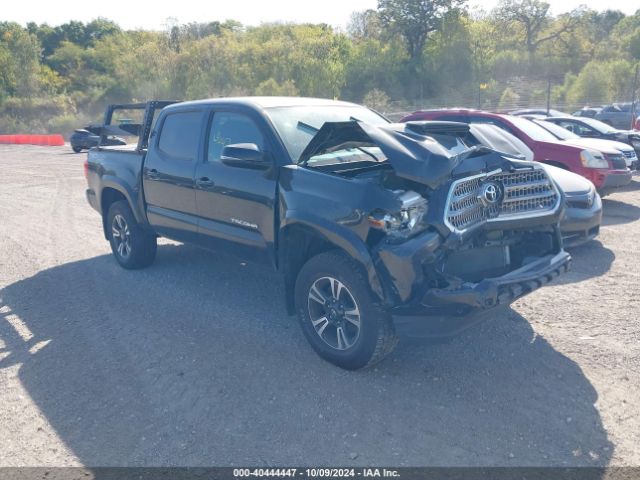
<point x="55" y="140"/>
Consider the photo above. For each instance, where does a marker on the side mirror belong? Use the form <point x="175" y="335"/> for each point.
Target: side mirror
<point x="244" y="155"/>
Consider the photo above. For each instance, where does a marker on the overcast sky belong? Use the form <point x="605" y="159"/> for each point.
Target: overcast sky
<point x="139" y="14"/>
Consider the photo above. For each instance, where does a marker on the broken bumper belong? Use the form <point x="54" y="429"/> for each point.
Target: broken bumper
<point x="404" y="267"/>
<point x="501" y="290"/>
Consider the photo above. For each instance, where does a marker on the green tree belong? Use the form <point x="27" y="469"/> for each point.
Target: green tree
<point x="377" y="100"/>
<point x="365" y="24"/>
<point x="415" y="20"/>
<point x="272" y="88"/>
<point x="590" y="86"/>
<point x="19" y="61"/>
<point x="533" y="21"/>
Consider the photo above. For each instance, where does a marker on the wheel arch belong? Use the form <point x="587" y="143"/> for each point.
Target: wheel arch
<point x="110" y="194"/>
<point x="300" y="239"/>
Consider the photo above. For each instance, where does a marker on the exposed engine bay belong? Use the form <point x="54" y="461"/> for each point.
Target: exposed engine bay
<point x="488" y="217"/>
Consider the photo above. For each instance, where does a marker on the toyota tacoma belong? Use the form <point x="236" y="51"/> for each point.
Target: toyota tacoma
<point x="367" y="221"/>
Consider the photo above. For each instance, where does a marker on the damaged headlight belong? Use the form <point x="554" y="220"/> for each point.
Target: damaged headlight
<point x="406" y="222"/>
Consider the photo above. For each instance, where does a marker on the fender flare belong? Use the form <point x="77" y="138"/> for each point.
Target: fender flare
<point x="340" y="236"/>
<point x="129" y="193"/>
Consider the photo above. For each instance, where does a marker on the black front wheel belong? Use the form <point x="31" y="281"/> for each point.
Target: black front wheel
<point x="132" y="246"/>
<point x="338" y="313"/>
<point x="76" y="148"/>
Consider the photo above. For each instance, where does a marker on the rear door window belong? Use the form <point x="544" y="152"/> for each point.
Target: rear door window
<point x="180" y="135"/>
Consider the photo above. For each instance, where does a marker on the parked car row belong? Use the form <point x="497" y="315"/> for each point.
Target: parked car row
<point x="621" y="116"/>
<point x="605" y="164"/>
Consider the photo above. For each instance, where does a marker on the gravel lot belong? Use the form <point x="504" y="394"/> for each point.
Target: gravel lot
<point x="194" y="361"/>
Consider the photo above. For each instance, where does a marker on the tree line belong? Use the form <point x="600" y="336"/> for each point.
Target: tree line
<point x="400" y="56"/>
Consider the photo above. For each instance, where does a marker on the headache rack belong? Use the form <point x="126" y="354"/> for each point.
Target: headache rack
<point x="522" y="193"/>
<point x="141" y="130"/>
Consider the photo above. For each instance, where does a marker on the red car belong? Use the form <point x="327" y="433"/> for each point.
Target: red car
<point x="606" y="171"/>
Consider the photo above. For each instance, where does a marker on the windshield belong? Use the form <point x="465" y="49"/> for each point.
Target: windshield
<point x="298" y="125"/>
<point x="532" y="130"/>
<point x="557" y="130"/>
<point x="598" y="125"/>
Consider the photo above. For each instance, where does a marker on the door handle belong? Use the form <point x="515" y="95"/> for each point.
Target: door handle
<point x="204" y="182"/>
<point x="152" y="173"/>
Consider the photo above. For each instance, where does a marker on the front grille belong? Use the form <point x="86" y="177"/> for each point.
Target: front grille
<point x="618" y="161"/>
<point x="464" y="208"/>
<point x="526" y="193"/>
<point x="631" y="155"/>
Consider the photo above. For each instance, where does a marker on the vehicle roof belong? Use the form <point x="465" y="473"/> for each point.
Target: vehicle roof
<point x="540" y="110"/>
<point x="566" y="117"/>
<point x="449" y="110"/>
<point x="265" y="102"/>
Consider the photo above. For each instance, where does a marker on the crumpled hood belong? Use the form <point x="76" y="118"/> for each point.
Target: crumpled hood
<point x="413" y="156"/>
<point x="605" y="146"/>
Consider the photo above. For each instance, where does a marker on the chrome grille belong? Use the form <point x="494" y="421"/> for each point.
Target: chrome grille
<point x="464" y="208"/>
<point x="630" y="154"/>
<point x="526" y="193"/>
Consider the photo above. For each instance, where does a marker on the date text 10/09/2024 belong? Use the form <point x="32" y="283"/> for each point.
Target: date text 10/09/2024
<point x="315" y="473"/>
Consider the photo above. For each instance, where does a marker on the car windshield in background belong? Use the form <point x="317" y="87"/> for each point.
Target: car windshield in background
<point x="501" y="140"/>
<point x="535" y="132"/>
<point x="298" y="125"/>
<point x="560" y="132"/>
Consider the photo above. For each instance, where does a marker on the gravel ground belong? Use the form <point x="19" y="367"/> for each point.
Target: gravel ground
<point x="194" y="361"/>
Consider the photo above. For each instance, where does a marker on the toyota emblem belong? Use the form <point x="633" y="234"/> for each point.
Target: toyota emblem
<point x="490" y="194"/>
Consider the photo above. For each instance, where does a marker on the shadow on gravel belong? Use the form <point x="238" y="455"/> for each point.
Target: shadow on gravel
<point x="195" y="362"/>
<point x="590" y="260"/>
<point x="615" y="212"/>
<point x="632" y="186"/>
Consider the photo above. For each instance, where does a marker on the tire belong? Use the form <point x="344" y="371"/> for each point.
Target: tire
<point x="76" y="148"/>
<point x="133" y="247"/>
<point x="322" y="313"/>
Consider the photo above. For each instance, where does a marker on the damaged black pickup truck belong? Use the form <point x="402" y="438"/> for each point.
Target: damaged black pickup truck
<point x="367" y="221"/>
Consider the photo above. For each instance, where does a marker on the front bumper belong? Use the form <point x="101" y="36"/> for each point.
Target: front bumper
<point x="614" y="179"/>
<point x="452" y="311"/>
<point x="401" y="267"/>
<point x="579" y="225"/>
<point x="503" y="290"/>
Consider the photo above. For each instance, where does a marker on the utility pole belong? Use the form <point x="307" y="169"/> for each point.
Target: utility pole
<point x="549" y="95"/>
<point x="633" y="99"/>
